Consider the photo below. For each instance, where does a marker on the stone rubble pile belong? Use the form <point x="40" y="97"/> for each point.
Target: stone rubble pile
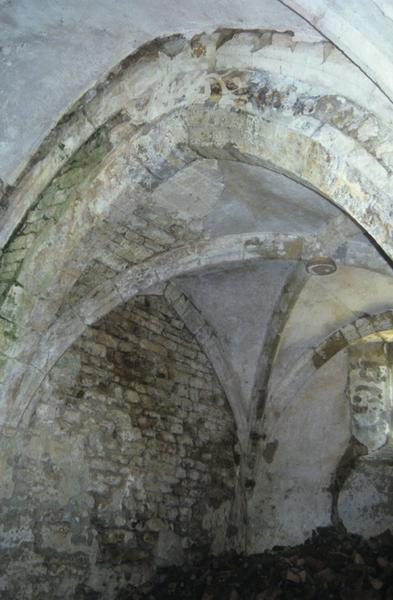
<point x="330" y="565"/>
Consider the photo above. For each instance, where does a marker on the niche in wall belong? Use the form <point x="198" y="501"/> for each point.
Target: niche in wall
<point x="128" y="462"/>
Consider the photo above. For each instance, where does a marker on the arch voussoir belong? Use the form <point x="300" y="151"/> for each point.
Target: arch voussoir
<point x="252" y="116"/>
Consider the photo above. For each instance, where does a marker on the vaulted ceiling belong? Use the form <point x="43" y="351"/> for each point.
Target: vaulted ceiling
<point x="236" y="146"/>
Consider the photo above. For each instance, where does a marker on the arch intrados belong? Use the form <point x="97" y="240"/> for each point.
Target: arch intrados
<point x="225" y="252"/>
<point x="312" y="360"/>
<point x="110" y="96"/>
<point x="207" y="139"/>
<point x="271" y="142"/>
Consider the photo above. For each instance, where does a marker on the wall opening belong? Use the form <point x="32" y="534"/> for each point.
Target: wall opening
<point x="129" y="462"/>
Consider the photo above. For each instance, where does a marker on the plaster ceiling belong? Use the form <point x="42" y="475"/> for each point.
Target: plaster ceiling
<point x="307" y="91"/>
<point x="39" y="85"/>
<point x="325" y="304"/>
<point x="45" y="83"/>
<point x="51" y="53"/>
<point x="232" y="197"/>
<point x="238" y="304"/>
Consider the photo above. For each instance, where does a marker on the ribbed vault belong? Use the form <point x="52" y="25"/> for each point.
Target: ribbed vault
<point x="208" y="173"/>
<point x="228" y="113"/>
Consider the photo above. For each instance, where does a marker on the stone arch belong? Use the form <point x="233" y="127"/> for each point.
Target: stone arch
<point x="141" y="444"/>
<point x="312" y="360"/>
<point x="225" y="251"/>
<point x="247" y="115"/>
<point x="224" y="62"/>
<point x="301" y="441"/>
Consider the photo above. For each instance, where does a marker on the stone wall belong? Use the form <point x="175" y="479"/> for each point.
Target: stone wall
<point x="366" y="498"/>
<point x="369" y="391"/>
<point x="128" y="462"/>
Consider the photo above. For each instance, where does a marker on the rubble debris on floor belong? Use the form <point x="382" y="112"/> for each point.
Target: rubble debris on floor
<point x="331" y="565"/>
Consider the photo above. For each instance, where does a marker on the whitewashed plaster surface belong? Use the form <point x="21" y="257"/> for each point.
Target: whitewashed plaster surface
<point x="325" y="304"/>
<point x="239" y="304"/>
<point x="365" y="502"/>
<point x="39" y="85"/>
<point x="299" y="452"/>
<point x="85" y="40"/>
<point x="202" y="180"/>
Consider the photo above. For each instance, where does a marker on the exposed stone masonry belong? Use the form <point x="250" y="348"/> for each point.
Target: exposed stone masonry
<point x="370" y="393"/>
<point x="129" y="462"/>
<point x="52" y="203"/>
<point x="210" y="166"/>
<point x="174" y="102"/>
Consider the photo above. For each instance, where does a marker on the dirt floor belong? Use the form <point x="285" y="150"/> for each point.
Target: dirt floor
<point x="330" y="565"/>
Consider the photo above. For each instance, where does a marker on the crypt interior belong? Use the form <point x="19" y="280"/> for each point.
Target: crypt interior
<point x="196" y="291"/>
